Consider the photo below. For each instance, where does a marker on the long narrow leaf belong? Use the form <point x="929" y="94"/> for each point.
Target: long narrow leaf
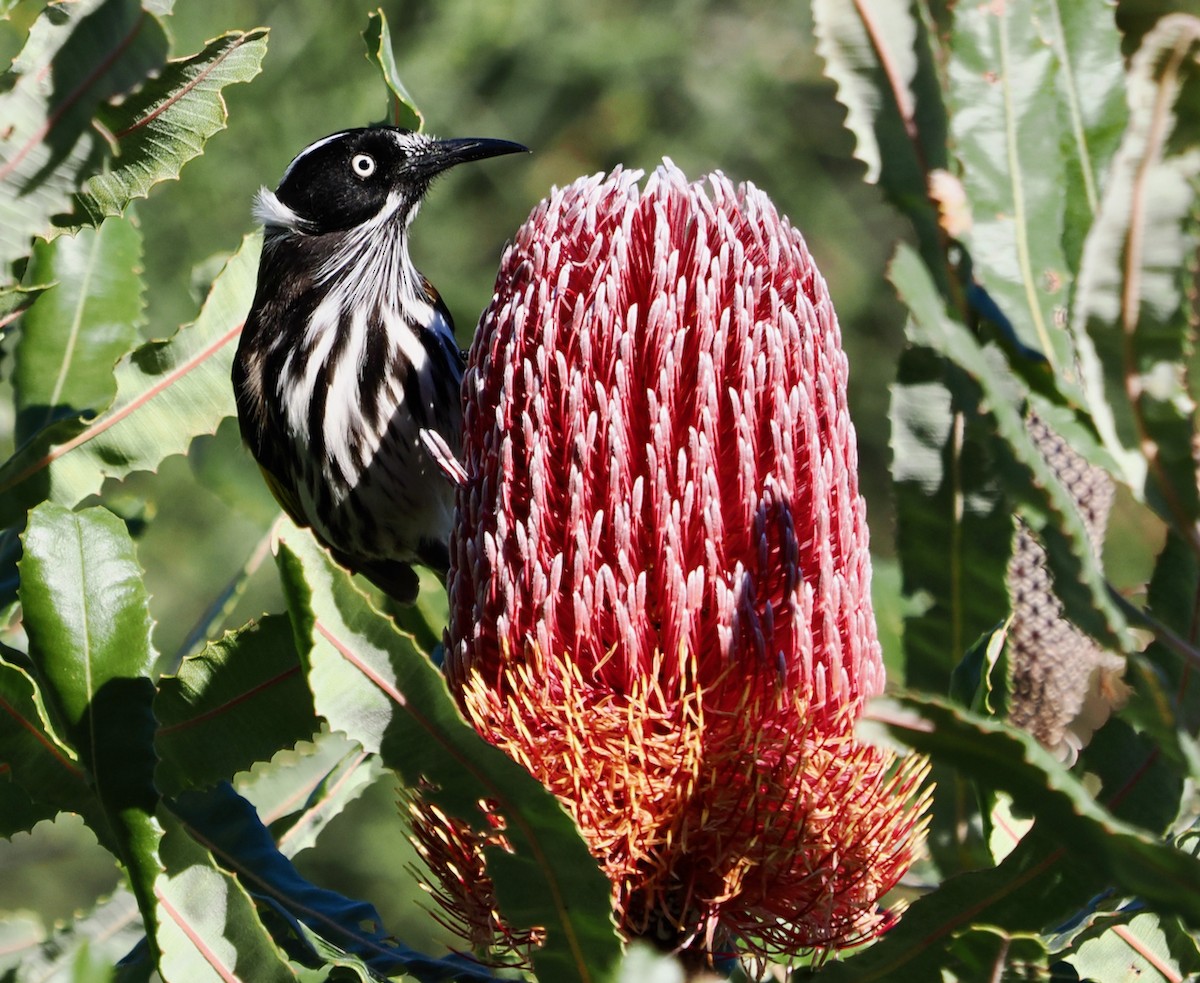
<point x="1131" y="317"/>
<point x="1004" y="122"/>
<point x="235" y="703"/>
<point x="88" y="620"/>
<point x="879" y="55"/>
<point x="371" y="681"/>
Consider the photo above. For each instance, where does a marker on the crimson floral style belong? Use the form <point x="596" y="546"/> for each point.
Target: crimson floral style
<point x="660" y="580"/>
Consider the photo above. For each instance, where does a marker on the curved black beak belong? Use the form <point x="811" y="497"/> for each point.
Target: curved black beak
<point x="444" y="154"/>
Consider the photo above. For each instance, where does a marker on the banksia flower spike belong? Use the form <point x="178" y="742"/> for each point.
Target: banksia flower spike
<point x="660" y="584"/>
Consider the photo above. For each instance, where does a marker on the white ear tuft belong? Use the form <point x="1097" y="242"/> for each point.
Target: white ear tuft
<point x="273" y="213"/>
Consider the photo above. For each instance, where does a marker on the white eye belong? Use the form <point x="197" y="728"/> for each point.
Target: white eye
<point x="363" y="165"/>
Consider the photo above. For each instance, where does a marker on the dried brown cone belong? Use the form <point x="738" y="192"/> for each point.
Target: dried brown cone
<point x="1064" y="686"/>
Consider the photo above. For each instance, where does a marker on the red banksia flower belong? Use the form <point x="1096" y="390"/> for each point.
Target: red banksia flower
<point x="660" y="584"/>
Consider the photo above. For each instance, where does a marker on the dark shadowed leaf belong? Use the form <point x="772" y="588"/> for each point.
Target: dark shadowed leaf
<point x="237" y="702"/>
<point x="1035" y="887"/>
<point x="954" y="527"/>
<point x="39" y="774"/>
<point x="228" y="827"/>
<point x="1043" y="503"/>
<point x="371" y="680"/>
<point x="1167" y="879"/>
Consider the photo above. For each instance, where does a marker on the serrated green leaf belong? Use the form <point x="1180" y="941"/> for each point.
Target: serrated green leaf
<point x="402" y="108"/>
<point x="208" y="926"/>
<point x="1130" y="318"/>
<point x="1045" y="506"/>
<point x="372" y="682"/>
<point x="1036" y="887"/>
<point x="168" y="392"/>
<point x="20" y="931"/>
<point x="301" y="789"/>
<point x="34" y="762"/>
<point x="1004" y="124"/>
<point x="100" y="939"/>
<point x="1166" y="878"/>
<point x="878" y="53"/>
<point x="73" y="335"/>
<point x="168" y="121"/>
<point x="953" y="525"/>
<point x="76" y="56"/>
<point x="233" y="704"/>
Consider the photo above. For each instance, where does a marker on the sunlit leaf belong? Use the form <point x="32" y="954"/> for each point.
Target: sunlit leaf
<point x="168" y="392"/>
<point x="88" y="620"/>
<point x="1090" y="84"/>
<point x="1140" y="950"/>
<point x="878" y="53"/>
<point x="402" y="108"/>
<point x="76" y="56"/>
<point x="168" y="121"/>
<point x="208" y="928"/>
<point x="1006" y="132"/>
<point x="302" y="788"/>
<point x="1131" y="315"/>
<point x="73" y="335"/>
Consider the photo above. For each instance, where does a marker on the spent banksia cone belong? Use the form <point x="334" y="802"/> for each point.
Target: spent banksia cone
<point x="660" y="581"/>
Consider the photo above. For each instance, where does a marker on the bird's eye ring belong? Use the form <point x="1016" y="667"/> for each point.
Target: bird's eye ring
<point x="363" y="165"/>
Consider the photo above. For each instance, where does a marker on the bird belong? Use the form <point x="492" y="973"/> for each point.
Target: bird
<point x="347" y="373"/>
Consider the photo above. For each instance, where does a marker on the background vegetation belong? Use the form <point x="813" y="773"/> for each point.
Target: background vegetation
<point x="740" y="87"/>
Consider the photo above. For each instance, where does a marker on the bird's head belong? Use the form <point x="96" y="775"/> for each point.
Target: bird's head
<point x="373" y="174"/>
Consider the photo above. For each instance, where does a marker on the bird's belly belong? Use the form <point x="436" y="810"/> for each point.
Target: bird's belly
<point x="386" y="497"/>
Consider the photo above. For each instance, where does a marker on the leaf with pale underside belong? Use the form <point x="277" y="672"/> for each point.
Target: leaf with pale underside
<point x="167" y="122"/>
<point x="77" y="57"/>
<point x="168" y="393"/>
